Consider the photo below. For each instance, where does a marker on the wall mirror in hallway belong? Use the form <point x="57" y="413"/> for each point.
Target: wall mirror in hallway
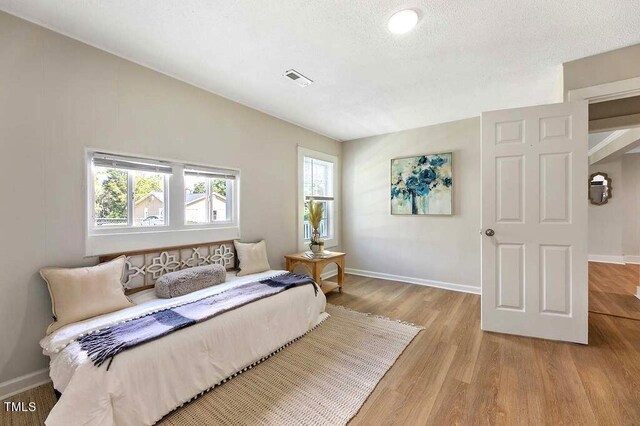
<point x="600" y="189"/>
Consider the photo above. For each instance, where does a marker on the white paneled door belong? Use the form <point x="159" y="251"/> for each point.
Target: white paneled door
<point x="534" y="221"/>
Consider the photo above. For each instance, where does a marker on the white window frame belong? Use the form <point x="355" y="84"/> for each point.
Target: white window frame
<point x="119" y="239"/>
<point x="231" y="199"/>
<point x="129" y="226"/>
<point x="334" y="216"/>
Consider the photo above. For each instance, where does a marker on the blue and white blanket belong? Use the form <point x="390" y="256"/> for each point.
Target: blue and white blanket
<point x="105" y="344"/>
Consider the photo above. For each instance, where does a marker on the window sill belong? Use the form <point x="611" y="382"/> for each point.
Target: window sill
<point x="119" y="242"/>
<point x="118" y="230"/>
<point x="328" y="243"/>
<point x="210" y="225"/>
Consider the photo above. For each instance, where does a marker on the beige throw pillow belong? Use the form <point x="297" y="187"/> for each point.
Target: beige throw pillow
<point x="82" y="293"/>
<point x="252" y="257"/>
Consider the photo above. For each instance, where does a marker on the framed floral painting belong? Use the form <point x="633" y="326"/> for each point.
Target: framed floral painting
<point x="422" y="185"/>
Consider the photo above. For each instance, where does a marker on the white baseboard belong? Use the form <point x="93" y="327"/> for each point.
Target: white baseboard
<point x="632" y="259"/>
<point x="23" y="383"/>
<point x="638" y="292"/>
<point x="600" y="258"/>
<point x="429" y="283"/>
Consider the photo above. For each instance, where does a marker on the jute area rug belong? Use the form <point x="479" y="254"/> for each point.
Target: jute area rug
<point x="322" y="379"/>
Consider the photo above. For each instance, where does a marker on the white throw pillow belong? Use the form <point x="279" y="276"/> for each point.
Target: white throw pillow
<point x="252" y="257"/>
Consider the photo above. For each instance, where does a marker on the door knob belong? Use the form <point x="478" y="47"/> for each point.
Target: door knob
<point x="489" y="232"/>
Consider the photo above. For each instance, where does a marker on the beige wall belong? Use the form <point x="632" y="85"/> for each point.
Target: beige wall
<point x="619" y="226"/>
<point x="615" y="108"/>
<point x="614" y="228"/>
<point x="620" y="64"/>
<point x="605" y="221"/>
<point x="58" y="96"/>
<point x="433" y="248"/>
<point x="631" y="209"/>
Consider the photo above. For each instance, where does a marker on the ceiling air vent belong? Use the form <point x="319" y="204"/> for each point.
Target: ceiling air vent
<point x="297" y="78"/>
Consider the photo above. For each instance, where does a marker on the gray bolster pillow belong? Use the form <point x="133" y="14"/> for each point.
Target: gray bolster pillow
<point x="188" y="280"/>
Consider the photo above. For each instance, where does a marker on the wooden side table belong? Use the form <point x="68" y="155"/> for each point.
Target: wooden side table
<point x="315" y="265"/>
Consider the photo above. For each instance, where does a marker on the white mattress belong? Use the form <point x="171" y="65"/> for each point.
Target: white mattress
<point x="146" y="382"/>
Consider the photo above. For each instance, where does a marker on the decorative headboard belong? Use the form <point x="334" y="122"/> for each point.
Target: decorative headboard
<point x="143" y="268"/>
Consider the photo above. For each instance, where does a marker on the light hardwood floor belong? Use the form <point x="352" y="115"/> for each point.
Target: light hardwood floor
<point x="612" y="289"/>
<point x="454" y="373"/>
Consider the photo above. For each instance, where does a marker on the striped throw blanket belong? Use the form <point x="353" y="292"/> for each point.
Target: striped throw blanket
<point x="107" y="343"/>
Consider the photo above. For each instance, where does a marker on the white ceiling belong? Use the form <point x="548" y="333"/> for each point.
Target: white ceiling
<point x="610" y="136"/>
<point x="596" y="138"/>
<point x="462" y="58"/>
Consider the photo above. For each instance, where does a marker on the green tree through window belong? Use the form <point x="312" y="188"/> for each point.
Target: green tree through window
<point x="111" y="194"/>
<point x="219" y="186"/>
<point x="147" y="183"/>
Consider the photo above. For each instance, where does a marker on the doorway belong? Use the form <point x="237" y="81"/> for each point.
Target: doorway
<point x="614" y="217"/>
<point x="535" y="165"/>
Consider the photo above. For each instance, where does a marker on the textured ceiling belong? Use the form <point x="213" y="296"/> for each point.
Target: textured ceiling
<point x="462" y="58"/>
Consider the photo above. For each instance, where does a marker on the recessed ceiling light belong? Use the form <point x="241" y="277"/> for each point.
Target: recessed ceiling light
<point x="403" y="21"/>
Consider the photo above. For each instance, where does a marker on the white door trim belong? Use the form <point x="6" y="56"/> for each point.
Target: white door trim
<point x="607" y="91"/>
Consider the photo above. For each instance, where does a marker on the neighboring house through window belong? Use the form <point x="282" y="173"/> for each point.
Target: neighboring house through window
<point x="208" y="195"/>
<point x="128" y="194"/>
<point x="151" y="204"/>
<point x="124" y="189"/>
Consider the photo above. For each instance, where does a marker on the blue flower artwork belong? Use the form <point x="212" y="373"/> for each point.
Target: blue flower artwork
<point x="421" y="185"/>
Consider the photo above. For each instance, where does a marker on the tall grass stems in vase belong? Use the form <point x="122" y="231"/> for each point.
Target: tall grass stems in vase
<point x="316" y="211"/>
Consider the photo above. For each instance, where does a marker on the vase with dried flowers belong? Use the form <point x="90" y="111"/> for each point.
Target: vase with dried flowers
<point x="316" y="211"/>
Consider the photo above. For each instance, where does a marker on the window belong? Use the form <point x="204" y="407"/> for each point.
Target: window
<point x="208" y="196"/>
<point x="318" y="180"/>
<point x="126" y="190"/>
<point x="160" y="200"/>
<point x="318" y="184"/>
